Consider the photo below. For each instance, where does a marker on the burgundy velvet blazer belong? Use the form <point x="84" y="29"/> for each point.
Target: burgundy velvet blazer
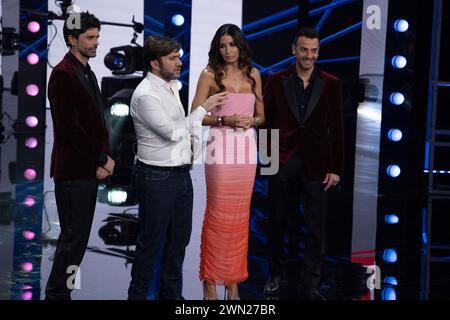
<point x="80" y="134"/>
<point x="320" y="135"/>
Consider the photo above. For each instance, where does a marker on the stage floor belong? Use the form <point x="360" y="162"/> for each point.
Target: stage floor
<point x="105" y="272"/>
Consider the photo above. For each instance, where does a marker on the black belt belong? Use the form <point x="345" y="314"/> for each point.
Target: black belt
<point x="175" y="168"/>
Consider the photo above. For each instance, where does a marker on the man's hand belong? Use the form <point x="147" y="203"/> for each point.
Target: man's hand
<point x="331" y="180"/>
<point x="109" y="166"/>
<point x="101" y="173"/>
<point x="215" y="100"/>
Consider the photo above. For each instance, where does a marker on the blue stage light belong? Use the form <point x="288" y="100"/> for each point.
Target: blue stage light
<point x="181" y="51"/>
<point x="388" y="294"/>
<point x="391" y="219"/>
<point x="395" y="135"/>
<point x="390" y="255"/>
<point x="391" y="280"/>
<point x="393" y="170"/>
<point x="397" y="98"/>
<point x="178" y="20"/>
<point x="180" y="85"/>
<point x="401" y="25"/>
<point x="399" y="62"/>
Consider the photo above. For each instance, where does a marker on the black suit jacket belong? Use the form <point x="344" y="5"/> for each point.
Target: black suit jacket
<point x="319" y="135"/>
<point x="80" y="134"/>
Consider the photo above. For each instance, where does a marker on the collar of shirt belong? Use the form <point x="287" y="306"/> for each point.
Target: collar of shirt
<point x="311" y="79"/>
<point x="170" y="86"/>
<point x="85" y="68"/>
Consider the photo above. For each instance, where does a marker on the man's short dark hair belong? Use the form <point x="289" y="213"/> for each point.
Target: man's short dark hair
<point x="87" y="21"/>
<point x="308" y="32"/>
<point x="156" y="47"/>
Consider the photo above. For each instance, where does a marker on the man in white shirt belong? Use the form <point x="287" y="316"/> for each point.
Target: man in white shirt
<point x="162" y="178"/>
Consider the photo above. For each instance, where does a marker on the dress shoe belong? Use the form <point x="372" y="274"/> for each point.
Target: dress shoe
<point x="273" y="285"/>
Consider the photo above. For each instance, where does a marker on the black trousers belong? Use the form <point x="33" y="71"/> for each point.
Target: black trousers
<point x="287" y="189"/>
<point x="75" y="201"/>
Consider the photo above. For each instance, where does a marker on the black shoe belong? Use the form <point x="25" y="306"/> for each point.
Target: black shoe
<point x="273" y="285"/>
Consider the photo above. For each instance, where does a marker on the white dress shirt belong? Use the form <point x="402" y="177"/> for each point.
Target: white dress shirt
<point x="163" y="131"/>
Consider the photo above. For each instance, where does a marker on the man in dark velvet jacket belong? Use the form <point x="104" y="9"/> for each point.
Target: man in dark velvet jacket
<point x="305" y="104"/>
<point x="81" y="152"/>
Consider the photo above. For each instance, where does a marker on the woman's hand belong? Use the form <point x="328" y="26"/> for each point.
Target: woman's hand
<point x="238" y="121"/>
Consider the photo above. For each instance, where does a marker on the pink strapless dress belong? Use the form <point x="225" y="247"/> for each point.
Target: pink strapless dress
<point x="230" y="167"/>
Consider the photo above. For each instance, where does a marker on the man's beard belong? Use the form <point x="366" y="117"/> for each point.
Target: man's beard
<point x="85" y="53"/>
<point x="167" y="75"/>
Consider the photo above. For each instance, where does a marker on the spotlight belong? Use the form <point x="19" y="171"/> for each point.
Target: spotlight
<point x="393" y="170"/>
<point x="124" y="60"/>
<point x="31" y="142"/>
<point x="29" y="201"/>
<point x="27" y="266"/>
<point x="390" y="255"/>
<point x="401" y="25"/>
<point x="395" y="135"/>
<point x="33" y="58"/>
<point x="31" y="121"/>
<point x="388" y="294"/>
<point x="391" y="280"/>
<point x="117" y="196"/>
<point x="391" y="219"/>
<point x="397" y="98"/>
<point x="120" y="109"/>
<point x="29" y="235"/>
<point x="399" y="62"/>
<point x="181" y="52"/>
<point x="34" y="26"/>
<point x="115" y="61"/>
<point x="27" y="295"/>
<point x="117" y="118"/>
<point x="32" y="90"/>
<point x="118" y="189"/>
<point x="180" y="85"/>
<point x="178" y="20"/>
<point x="30" y="174"/>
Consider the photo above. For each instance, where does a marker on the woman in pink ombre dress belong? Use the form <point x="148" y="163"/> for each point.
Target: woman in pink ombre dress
<point x="230" y="162"/>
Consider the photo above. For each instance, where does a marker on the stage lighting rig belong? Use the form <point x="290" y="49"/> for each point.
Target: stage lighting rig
<point x="124" y="60"/>
<point x="9" y="40"/>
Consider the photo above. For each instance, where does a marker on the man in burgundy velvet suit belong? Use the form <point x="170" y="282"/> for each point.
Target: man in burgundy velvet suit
<point x="81" y="152"/>
<point x="305" y="104"/>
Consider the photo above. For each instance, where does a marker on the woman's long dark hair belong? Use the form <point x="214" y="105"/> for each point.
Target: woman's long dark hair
<point x="216" y="63"/>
